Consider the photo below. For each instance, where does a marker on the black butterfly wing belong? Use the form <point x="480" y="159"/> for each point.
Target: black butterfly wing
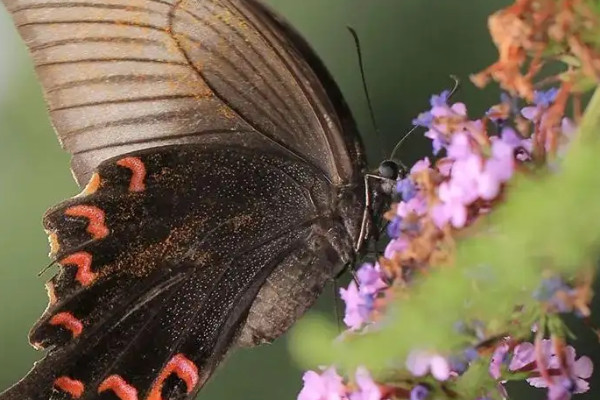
<point x="168" y="262"/>
<point x="121" y="75"/>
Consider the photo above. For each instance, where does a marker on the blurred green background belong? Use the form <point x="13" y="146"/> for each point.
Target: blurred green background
<point x="409" y="47"/>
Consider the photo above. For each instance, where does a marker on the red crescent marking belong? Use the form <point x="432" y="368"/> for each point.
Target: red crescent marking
<point x="83" y="261"/>
<point x="185" y="369"/>
<point x="122" y="389"/>
<point x="96" y="226"/>
<point x="68" y="321"/>
<point x="138" y="173"/>
<point x="74" y="387"/>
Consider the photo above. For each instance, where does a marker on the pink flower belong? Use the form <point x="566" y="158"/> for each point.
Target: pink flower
<point x="416" y="205"/>
<point x="497" y="170"/>
<point x="498" y="358"/>
<point x="367" y="388"/>
<point x="420" y="363"/>
<point x="514" y="140"/>
<point x="472" y="177"/>
<point x="444" y="166"/>
<point x="421" y="165"/>
<point x="464" y="180"/>
<point x="326" y="386"/>
<point x="455" y="195"/>
<point x="560" y="389"/>
<point x="459" y="147"/>
<point x="370" y="279"/>
<point x="358" y="306"/>
<point x="542" y="101"/>
<point x="501" y="164"/>
<point x="360" y="298"/>
<point x="395" y="245"/>
<point x="523" y="355"/>
<point x="578" y="370"/>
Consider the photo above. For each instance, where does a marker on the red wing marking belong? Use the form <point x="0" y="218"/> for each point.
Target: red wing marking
<point x="92" y="186"/>
<point x="74" y="387"/>
<point x="122" y="389"/>
<point x="83" y="261"/>
<point x="96" y="226"/>
<point x="180" y="365"/>
<point x="138" y="173"/>
<point x="67" y="320"/>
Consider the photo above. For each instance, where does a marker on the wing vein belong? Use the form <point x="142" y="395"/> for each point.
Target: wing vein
<point x="125" y="101"/>
<point x="227" y="103"/>
<point x="227" y="38"/>
<point x="164" y="139"/>
<point x="116" y="22"/>
<point x="42" y="6"/>
<point x="111" y="60"/>
<point x="281" y="122"/>
<point x="113" y="39"/>
<point x="115" y="79"/>
<point x="292" y="72"/>
<point x="167" y="116"/>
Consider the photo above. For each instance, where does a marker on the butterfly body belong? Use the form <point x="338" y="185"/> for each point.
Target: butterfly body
<point x="223" y="189"/>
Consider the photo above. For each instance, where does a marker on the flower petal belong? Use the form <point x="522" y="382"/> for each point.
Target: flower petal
<point x="583" y="367"/>
<point x="440" y="368"/>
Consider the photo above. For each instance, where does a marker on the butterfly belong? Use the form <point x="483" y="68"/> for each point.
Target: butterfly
<point x="223" y="185"/>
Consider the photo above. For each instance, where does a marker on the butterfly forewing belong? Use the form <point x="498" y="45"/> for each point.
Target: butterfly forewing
<point x="121" y="75"/>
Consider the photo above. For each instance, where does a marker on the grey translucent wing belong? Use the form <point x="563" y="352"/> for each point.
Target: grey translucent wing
<point x="121" y="75"/>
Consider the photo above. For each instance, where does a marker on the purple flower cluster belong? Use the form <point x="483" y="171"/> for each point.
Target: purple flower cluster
<point x="361" y="294"/>
<point x="421" y="363"/>
<point x="542" y="100"/>
<point x="440" y="120"/>
<point x="476" y="166"/>
<point x="539" y="114"/>
<point x="563" y="379"/>
<point x="330" y="386"/>
<point x="437" y="199"/>
<point x="472" y="177"/>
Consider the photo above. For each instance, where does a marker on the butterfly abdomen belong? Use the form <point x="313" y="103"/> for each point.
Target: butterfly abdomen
<point x="295" y="284"/>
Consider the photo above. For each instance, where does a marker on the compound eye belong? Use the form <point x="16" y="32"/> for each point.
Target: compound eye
<point x="389" y="169"/>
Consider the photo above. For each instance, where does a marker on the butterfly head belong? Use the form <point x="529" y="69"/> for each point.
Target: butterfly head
<point x="388" y="173"/>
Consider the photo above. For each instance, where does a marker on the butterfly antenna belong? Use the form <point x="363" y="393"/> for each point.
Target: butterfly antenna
<point x="455" y="88"/>
<point x="399" y="144"/>
<point x="363" y="78"/>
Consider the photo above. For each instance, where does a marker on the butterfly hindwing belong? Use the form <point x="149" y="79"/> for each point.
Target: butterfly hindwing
<point x="168" y="261"/>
